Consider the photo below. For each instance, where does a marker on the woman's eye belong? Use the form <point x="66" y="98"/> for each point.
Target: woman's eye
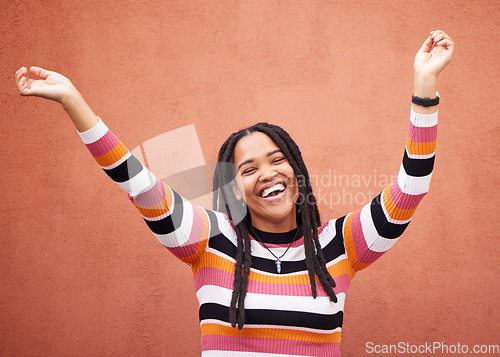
<point x="278" y="160"/>
<point x="248" y="171"/>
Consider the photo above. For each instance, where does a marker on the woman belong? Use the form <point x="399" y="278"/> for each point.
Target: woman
<point x="256" y="257"/>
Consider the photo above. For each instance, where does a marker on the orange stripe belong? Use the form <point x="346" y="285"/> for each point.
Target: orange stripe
<point x="112" y="156"/>
<point x="212" y="260"/>
<point x="395" y="213"/>
<point x="350" y="248"/>
<point x="341" y="268"/>
<point x="420" y="148"/>
<point x="271" y="333"/>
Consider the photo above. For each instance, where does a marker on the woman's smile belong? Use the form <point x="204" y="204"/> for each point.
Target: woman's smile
<point x="267" y="182"/>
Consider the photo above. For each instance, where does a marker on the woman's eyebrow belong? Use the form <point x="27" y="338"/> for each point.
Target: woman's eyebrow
<point x="244" y="163"/>
<point x="249" y="161"/>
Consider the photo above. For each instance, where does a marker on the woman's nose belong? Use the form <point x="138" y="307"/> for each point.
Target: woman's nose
<point x="267" y="174"/>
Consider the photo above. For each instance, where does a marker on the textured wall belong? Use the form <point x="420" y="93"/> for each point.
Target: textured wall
<point x="80" y="273"/>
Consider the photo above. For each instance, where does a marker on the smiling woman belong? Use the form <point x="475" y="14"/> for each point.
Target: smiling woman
<point x="257" y="255"/>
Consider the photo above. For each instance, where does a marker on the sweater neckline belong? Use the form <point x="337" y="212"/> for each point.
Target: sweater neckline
<point x="276" y="238"/>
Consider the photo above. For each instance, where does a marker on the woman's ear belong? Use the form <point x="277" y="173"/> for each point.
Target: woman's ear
<point x="236" y="191"/>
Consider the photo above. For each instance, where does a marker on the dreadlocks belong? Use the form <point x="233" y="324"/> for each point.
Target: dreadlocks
<point x="225" y="200"/>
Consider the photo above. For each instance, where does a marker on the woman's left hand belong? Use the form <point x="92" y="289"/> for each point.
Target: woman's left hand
<point x="434" y="55"/>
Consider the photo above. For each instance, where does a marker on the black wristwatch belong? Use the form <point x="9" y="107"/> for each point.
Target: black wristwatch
<point x="425" y="102"/>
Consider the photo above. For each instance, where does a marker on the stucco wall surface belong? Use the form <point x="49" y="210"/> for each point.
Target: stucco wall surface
<point x="80" y="273"/>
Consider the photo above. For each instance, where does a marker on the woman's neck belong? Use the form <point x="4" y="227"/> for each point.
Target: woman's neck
<point x="274" y="238"/>
<point x="275" y="227"/>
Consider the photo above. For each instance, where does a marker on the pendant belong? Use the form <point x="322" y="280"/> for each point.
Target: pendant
<point x="278" y="266"/>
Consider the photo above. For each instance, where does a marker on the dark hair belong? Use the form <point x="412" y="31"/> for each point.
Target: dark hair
<point x="308" y="214"/>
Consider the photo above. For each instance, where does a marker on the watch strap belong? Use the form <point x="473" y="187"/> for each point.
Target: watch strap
<point x="425" y="102"/>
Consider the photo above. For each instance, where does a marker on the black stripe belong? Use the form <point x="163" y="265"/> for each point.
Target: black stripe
<point x="269" y="265"/>
<point x="171" y="222"/>
<point x="384" y="228"/>
<point x="275" y="317"/>
<point x="126" y="170"/>
<point x="418" y="167"/>
<point x="214" y="223"/>
<point x="222" y="244"/>
<point x="335" y="248"/>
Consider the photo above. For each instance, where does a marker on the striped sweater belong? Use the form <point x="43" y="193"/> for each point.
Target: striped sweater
<point x="283" y="319"/>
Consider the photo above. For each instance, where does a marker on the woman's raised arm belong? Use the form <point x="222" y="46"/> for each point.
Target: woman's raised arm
<point x="56" y="87"/>
<point x="179" y="225"/>
<point x="432" y="57"/>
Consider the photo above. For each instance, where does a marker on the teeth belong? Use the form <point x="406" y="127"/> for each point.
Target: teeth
<point x="268" y="191"/>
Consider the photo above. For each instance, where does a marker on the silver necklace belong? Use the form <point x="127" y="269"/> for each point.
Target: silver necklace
<point x="278" y="259"/>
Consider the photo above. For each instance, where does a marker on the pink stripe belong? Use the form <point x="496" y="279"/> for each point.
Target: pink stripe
<point x="364" y="254"/>
<point x="197" y="226"/>
<point x="185" y="250"/>
<point x="326" y="224"/>
<point x="269" y="345"/>
<point x="213" y="276"/>
<point x="103" y="145"/>
<point x="403" y="200"/>
<point x="342" y="283"/>
<point x="422" y="134"/>
<point x="151" y="197"/>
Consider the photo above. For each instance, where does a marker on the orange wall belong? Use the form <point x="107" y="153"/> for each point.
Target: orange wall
<point x="80" y="273"/>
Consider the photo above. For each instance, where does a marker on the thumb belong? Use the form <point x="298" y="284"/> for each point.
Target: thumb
<point x="40" y="72"/>
<point x="427" y="45"/>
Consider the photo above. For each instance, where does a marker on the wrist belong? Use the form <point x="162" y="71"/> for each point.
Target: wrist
<point x="424" y="85"/>
<point x="70" y="99"/>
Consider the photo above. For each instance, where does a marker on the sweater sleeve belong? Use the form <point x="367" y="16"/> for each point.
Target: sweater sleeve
<point x="372" y="230"/>
<point x="181" y="227"/>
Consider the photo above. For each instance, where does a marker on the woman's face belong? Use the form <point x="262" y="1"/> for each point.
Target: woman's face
<point x="267" y="182"/>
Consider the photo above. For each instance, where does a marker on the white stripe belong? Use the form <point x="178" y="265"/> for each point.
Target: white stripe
<point x="373" y="240"/>
<point x="95" y="133"/>
<point x="336" y="260"/>
<point x="320" y="305"/>
<point x="423" y="120"/>
<point x="293" y="254"/>
<point x="327" y="234"/>
<point x="225" y="227"/>
<point x="117" y="163"/>
<point x="413" y="185"/>
<point x="140" y="183"/>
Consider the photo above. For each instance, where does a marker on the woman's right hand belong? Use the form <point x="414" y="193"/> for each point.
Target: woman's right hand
<point x="50" y="85"/>
<point x="54" y="86"/>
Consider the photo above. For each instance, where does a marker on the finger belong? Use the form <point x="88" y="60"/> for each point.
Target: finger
<point x="439" y="32"/>
<point x="445" y="42"/>
<point x="438" y="38"/>
<point x="427" y="45"/>
<point x="20" y="73"/>
<point x="22" y="86"/>
<point x="40" y="72"/>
